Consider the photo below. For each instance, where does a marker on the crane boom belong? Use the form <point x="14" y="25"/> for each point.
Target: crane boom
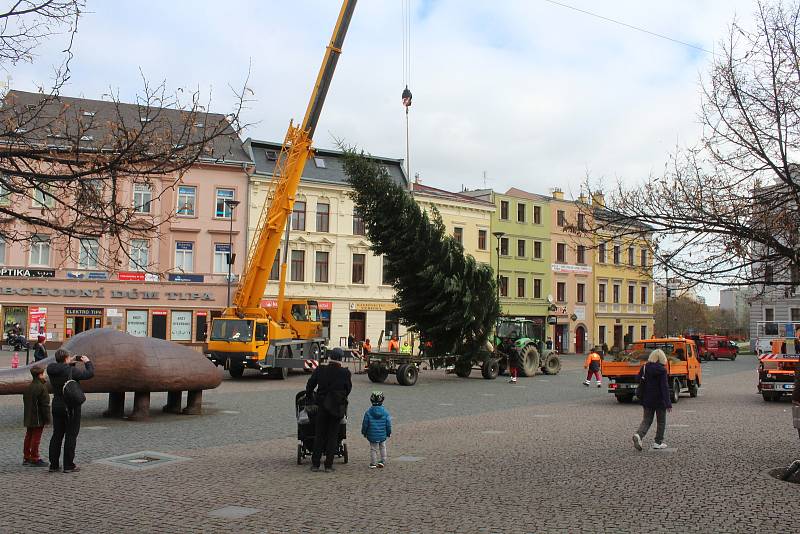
<point x="287" y="173"/>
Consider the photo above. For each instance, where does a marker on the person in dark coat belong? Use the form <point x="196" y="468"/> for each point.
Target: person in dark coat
<point x="654" y="398"/>
<point x="36" y="402"/>
<point x="66" y="421"/>
<point x="333" y="385"/>
<point x="39" y="352"/>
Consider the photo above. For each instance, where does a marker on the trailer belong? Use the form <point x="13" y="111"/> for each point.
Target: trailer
<point x="404" y="366"/>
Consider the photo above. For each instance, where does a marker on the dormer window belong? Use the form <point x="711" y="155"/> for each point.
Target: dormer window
<point x="89" y="113"/>
<point x="87" y="138"/>
<point x="145" y="120"/>
<point x="272" y="155"/>
<point x="320" y="163"/>
<point x="199" y="125"/>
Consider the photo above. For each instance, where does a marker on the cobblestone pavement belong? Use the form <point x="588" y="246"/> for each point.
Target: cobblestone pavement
<point x="547" y="455"/>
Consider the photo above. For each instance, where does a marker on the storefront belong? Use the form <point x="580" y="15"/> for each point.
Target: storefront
<point x="77" y="320"/>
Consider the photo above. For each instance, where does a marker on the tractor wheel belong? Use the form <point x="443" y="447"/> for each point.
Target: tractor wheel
<point x="407" y="374"/>
<point x="377" y="372"/>
<point x="490" y="368"/>
<point x="675" y="392"/>
<point x="463" y="368"/>
<point x="529" y="361"/>
<point x="693" y="387"/>
<point x="624" y="399"/>
<point x="552" y="365"/>
<point x="236" y="370"/>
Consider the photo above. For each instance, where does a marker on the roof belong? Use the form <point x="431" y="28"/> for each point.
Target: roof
<point x="56" y="120"/>
<point x="329" y="170"/>
<point x="514" y="192"/>
<point x="417" y="188"/>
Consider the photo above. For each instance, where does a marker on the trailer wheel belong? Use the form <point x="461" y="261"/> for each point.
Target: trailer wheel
<point x="490" y="368"/>
<point x="693" y="387"/>
<point x="236" y="370"/>
<point x="407" y="374"/>
<point x="552" y="365"/>
<point x="463" y="368"/>
<point x="377" y="372"/>
<point x="675" y="393"/>
<point x="624" y="399"/>
<point x="529" y="361"/>
<point x="299" y="455"/>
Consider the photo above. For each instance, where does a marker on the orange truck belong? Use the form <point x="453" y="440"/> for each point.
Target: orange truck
<point x="776" y="369"/>
<point x="683" y="375"/>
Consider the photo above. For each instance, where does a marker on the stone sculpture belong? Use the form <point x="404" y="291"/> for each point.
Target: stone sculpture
<point x="126" y="363"/>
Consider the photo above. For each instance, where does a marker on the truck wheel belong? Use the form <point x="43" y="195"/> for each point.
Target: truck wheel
<point x="529" y="361"/>
<point x="675" y="392"/>
<point x="693" y="386"/>
<point x="552" y="365"/>
<point x="407" y="374"/>
<point x="463" y="368"/>
<point x="767" y="396"/>
<point x="278" y="373"/>
<point x="316" y="352"/>
<point x="490" y="368"/>
<point x="377" y="372"/>
<point x="624" y="399"/>
<point x="236" y="370"/>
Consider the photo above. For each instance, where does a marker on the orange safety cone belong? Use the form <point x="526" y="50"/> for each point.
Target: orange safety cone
<point x="15" y="360"/>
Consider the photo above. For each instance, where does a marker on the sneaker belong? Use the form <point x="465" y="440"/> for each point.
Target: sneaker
<point x="659" y="445"/>
<point x="38" y="463"/>
<point x="586" y="383"/>
<point x="513" y="380"/>
<point x="315" y="468"/>
<point x="381" y="465"/>
<point x="26" y="462"/>
<point x="329" y="469"/>
<point x="373" y="466"/>
<point x="54" y="469"/>
<point x="73" y="469"/>
<point x="637" y="442"/>
<point x="599" y="384"/>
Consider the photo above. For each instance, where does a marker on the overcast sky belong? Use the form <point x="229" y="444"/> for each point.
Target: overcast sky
<point x="534" y="94"/>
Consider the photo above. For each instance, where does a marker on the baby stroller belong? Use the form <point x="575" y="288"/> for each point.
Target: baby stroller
<point x="305" y="410"/>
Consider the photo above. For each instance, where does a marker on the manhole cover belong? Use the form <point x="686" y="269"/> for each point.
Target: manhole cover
<point x="408" y="458"/>
<point x="233" y="512"/>
<point x="142" y="460"/>
<point x="780" y="473"/>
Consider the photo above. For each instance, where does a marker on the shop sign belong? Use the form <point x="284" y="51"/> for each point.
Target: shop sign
<point x="566" y="268"/>
<point x="137" y="323"/>
<point x="27" y="273"/>
<point x="202" y="314"/>
<point x="373" y="306"/>
<point x="580" y="313"/>
<point x="325" y="305"/>
<point x="100" y="293"/>
<point x="181" y="329"/>
<point x="85" y="312"/>
<point x="37" y="321"/>
<point x="552" y="319"/>
<point x="113" y="312"/>
<point x="91" y="275"/>
<point x="560" y="310"/>
<point x="269" y="303"/>
<point x="179" y="277"/>
<point x="137" y="276"/>
<point x="159" y="312"/>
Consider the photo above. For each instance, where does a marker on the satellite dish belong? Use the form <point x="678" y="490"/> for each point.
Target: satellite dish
<point x="549" y="299"/>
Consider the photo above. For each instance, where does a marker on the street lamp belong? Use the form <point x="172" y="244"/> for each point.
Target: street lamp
<point x="498" y="235"/>
<point x="230" y="203"/>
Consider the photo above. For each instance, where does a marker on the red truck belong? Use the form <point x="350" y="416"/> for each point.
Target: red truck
<point x="714" y="347"/>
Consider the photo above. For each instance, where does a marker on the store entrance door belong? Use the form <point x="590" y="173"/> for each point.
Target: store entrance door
<point x="618" y="336"/>
<point x="358" y="325"/>
<point x="580" y="337"/>
<point x="159" y="326"/>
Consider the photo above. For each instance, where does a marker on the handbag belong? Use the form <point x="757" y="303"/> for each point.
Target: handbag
<point x="639" y="386"/>
<point x="335" y="403"/>
<point x="72" y="392"/>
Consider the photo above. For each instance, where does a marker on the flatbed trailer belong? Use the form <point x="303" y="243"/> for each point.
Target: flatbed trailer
<point x="404" y="366"/>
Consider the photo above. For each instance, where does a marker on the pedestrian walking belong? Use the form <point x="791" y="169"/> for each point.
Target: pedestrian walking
<point x="653" y="393"/>
<point x="592" y="363"/>
<point x="333" y="385"/>
<point x="377" y="428"/>
<point x="36" y="402"/>
<point x="66" y="419"/>
<point x="39" y="352"/>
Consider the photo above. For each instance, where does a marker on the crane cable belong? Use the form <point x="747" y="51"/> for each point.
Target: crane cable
<point x="406" y="95"/>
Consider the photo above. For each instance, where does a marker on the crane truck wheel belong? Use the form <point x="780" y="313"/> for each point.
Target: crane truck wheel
<point x="407" y="374"/>
<point x="552" y="365"/>
<point x="279" y="373"/>
<point x="490" y="368"/>
<point x="236" y="370"/>
<point x="529" y="361"/>
<point x="377" y="373"/>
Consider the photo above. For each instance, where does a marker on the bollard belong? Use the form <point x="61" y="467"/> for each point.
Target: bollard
<point x="15" y="360"/>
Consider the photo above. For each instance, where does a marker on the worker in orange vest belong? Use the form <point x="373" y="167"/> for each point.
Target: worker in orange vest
<point x="592" y="363"/>
<point x="394" y="345"/>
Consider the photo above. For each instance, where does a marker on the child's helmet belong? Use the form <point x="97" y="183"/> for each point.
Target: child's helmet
<point x="376" y="398"/>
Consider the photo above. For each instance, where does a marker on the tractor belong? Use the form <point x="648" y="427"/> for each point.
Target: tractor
<point x="521" y="339"/>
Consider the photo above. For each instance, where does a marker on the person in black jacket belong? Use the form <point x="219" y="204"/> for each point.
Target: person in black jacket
<point x="654" y="398"/>
<point x="66" y="421"/>
<point x="39" y="352"/>
<point x="333" y="385"/>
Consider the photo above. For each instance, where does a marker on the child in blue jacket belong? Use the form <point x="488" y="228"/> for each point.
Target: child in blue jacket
<point x="377" y="428"/>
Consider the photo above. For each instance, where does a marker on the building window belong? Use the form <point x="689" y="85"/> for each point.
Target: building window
<point x="581" y="221"/>
<point x="537" y="215"/>
<point x="616" y="294"/>
<point x="601" y="335"/>
<point x="298" y="265"/>
<point x="561" y="291"/>
<point x="275" y="272"/>
<point x="561" y="253"/>
<point x="537" y="288"/>
<point x="795" y="314"/>
<point x="221" y="253"/>
<point x="601" y="293"/>
<point x="41" y="199"/>
<point x="643" y="295"/>
<point x="2" y="251"/>
<point x="358" y="268"/>
<point x="181" y="326"/>
<point x="581" y="293"/>
<point x="140" y="254"/>
<point x="321" y="267"/>
<point x="503" y="286"/>
<point x="601" y="253"/>
<point x="323" y="217"/>
<point x="504" y="210"/>
<point x="643" y="332"/>
<point x="769" y="314"/>
<point x="142" y="198"/>
<point x="458" y="235"/>
<point x="581" y="254"/>
<point x="537" y="250"/>
<point x="521" y="213"/>
<point x="223" y="210"/>
<point x="187" y="197"/>
<point x="5" y="196"/>
<point x="504" y="246"/>
<point x="359" y="228"/>
<point x="561" y="219"/>
<point x="482" y="234"/>
<point x="184" y="256"/>
<point x="320" y="163"/>
<point x="616" y="255"/>
<point x="644" y="259"/>
<point x="299" y="216"/>
<point x="521" y="248"/>
<point x="631" y="292"/>
<point x="386" y="279"/>
<point x="89" y="255"/>
<point x="768" y="278"/>
<point x="630" y="335"/>
<point x="40" y="250"/>
<point x="521" y="287"/>
<point x="630" y="256"/>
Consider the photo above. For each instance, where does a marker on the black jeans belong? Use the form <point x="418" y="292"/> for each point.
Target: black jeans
<point x="325" y="437"/>
<point x="647" y="420"/>
<point x="65" y="427"/>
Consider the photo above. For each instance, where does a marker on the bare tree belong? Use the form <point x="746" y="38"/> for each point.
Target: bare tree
<point x="727" y="210"/>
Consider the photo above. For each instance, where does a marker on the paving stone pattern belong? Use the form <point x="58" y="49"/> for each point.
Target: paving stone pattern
<point x="552" y="457"/>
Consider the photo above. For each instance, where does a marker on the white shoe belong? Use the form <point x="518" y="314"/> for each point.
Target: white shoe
<point x="599" y="384"/>
<point x="659" y="445"/>
<point x="637" y="442"/>
<point x="585" y="382"/>
<point x="513" y="380"/>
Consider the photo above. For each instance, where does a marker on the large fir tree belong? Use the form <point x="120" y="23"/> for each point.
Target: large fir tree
<point x="442" y="293"/>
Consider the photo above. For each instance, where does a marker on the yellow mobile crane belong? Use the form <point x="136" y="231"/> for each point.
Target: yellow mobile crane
<point x="277" y="339"/>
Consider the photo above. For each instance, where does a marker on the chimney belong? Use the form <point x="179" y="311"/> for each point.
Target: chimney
<point x="557" y="193"/>
<point x="583" y="198"/>
<point x="598" y="200"/>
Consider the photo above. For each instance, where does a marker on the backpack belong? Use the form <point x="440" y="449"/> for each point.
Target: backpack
<point x="72" y="392"/>
<point x="640" y="386"/>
